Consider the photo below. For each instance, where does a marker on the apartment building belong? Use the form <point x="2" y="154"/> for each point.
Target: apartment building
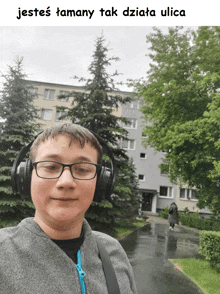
<point x="46" y="100"/>
<point x="155" y="189"/>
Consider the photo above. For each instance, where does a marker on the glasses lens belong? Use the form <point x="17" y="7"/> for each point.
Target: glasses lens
<point x="49" y="169"/>
<point x="84" y="171"/>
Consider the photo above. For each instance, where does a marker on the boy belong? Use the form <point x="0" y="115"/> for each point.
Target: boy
<point x="56" y="251"/>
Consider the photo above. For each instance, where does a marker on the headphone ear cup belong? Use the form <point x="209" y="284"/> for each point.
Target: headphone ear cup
<point x="23" y="178"/>
<point x="104" y="185"/>
<point x="27" y="183"/>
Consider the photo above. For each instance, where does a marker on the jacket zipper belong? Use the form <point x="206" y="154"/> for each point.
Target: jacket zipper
<point x="81" y="273"/>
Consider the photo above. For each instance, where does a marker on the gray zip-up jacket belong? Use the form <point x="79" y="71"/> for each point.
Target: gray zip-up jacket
<point x="31" y="263"/>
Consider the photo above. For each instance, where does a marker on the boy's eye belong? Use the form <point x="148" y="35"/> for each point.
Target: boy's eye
<point x="80" y="169"/>
<point x="49" y="166"/>
<point x="52" y="167"/>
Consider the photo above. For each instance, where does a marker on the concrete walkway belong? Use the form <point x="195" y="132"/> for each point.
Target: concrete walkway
<point x="149" y="250"/>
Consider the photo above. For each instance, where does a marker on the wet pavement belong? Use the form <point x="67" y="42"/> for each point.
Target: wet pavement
<point x="149" y="250"/>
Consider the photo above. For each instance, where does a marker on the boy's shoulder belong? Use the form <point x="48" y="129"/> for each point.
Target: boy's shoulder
<point x="110" y="243"/>
<point x="104" y="237"/>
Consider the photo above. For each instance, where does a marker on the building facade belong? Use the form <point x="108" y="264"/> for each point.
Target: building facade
<point x="155" y="189"/>
<point x="46" y="100"/>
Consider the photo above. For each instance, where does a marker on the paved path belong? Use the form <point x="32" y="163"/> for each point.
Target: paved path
<point x="149" y="250"/>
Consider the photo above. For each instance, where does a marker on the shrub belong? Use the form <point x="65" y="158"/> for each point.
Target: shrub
<point x="193" y="220"/>
<point x="209" y="248"/>
<point x="165" y="212"/>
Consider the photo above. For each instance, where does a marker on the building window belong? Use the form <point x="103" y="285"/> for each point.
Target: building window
<point x="193" y="194"/>
<point x="46" y="114"/>
<point x="128" y="144"/>
<point x="64" y="93"/>
<point x="141" y="178"/>
<point x="33" y="91"/>
<point x="182" y="193"/>
<point x="59" y="114"/>
<point x="49" y="94"/>
<point x="164" y="169"/>
<point x="134" y="104"/>
<point x="166" y="191"/>
<point x="132" y="123"/>
<point x="187" y="194"/>
<point x="143" y="155"/>
<point x="143" y="135"/>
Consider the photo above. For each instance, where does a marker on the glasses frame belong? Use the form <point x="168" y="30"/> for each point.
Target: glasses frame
<point x="98" y="169"/>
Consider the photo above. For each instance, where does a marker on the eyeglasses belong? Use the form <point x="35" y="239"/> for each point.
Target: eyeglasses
<point x="54" y="169"/>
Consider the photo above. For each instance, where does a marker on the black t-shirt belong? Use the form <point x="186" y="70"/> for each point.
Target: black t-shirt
<point x="70" y="246"/>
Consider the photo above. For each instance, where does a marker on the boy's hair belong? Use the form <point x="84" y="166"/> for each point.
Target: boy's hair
<point x="76" y="133"/>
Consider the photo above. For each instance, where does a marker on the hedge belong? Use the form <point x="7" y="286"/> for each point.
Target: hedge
<point x="193" y="220"/>
<point x="209" y="247"/>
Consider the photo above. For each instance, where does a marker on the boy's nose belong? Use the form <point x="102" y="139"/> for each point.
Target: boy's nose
<point x="66" y="180"/>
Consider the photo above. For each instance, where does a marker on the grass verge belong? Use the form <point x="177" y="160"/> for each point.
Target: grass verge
<point x="123" y="231"/>
<point x="120" y="229"/>
<point x="199" y="271"/>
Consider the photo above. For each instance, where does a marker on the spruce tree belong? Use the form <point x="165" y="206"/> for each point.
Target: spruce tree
<point x="17" y="127"/>
<point x="94" y="108"/>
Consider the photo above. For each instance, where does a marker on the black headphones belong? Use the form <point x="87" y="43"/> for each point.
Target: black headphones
<point x="22" y="170"/>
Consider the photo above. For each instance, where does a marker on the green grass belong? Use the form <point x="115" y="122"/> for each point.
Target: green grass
<point x="124" y="230"/>
<point x="120" y="229"/>
<point x="200" y="272"/>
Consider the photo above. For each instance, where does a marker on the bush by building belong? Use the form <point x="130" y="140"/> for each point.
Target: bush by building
<point x="164" y="213"/>
<point x="193" y="220"/>
<point x="209" y="248"/>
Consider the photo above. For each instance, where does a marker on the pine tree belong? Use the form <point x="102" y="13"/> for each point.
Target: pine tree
<point x="94" y="109"/>
<point x="17" y="128"/>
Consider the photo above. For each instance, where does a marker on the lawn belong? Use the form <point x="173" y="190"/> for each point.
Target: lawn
<point x="200" y="272"/>
<point x="123" y="230"/>
<point x="120" y="229"/>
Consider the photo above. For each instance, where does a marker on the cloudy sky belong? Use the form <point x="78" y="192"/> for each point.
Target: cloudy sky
<point x="56" y="54"/>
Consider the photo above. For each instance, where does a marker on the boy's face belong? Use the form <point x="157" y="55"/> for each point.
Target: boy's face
<point x="62" y="201"/>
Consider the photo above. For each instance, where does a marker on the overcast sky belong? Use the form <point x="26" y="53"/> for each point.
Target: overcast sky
<point x="56" y="54"/>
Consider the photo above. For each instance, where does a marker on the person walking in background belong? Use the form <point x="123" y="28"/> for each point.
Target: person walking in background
<point x="173" y="215"/>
